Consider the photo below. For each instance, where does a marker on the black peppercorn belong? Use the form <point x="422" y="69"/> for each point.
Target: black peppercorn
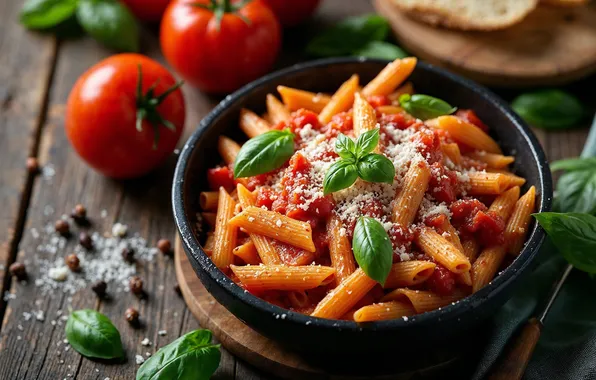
<point x="132" y="315"/>
<point x="61" y="226"/>
<point x="136" y="285"/>
<point x="100" y="288"/>
<point x="73" y="263"/>
<point x="128" y="254"/>
<point x="85" y="240"/>
<point x="18" y="270"/>
<point x="164" y="246"/>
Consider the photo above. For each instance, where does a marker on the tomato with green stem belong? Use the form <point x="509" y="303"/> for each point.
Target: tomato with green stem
<point x="220" y="45"/>
<point x="125" y="115"/>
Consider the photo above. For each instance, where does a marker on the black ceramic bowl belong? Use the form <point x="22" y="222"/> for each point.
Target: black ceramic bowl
<point x="335" y="336"/>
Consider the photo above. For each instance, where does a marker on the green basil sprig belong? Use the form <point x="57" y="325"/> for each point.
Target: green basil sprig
<point x="110" y="22"/>
<point x="574" y="235"/>
<point x="549" y="109"/>
<point x="356" y="160"/>
<point x="576" y="189"/>
<point x="372" y="249"/>
<point x="44" y="14"/>
<point x="264" y="153"/>
<point x="425" y="107"/>
<point x="92" y="334"/>
<point x="192" y="356"/>
<point x="356" y="36"/>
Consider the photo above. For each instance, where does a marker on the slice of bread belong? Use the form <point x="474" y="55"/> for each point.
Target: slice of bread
<point x="468" y="14"/>
<point x="565" y="3"/>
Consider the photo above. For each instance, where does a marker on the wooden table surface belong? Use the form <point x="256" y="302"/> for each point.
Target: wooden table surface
<point x="36" y="74"/>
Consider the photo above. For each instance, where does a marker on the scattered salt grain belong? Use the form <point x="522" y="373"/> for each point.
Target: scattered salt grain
<point x="405" y="318"/>
<point x="162" y="332"/>
<point x="119" y="230"/>
<point x="146" y="342"/>
<point x="139" y="359"/>
<point x="58" y="273"/>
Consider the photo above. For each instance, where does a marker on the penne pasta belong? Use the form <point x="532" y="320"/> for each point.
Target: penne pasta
<point x="393" y="75"/>
<point x="465" y="133"/>
<point x="225" y="233"/>
<point x="248" y="253"/>
<point x="492" y="160"/>
<point x="282" y="277"/>
<point x="365" y="117"/>
<point x="484" y="183"/>
<point x="452" y="152"/>
<point x="276" y="111"/>
<point x="345" y="296"/>
<point x="442" y="251"/>
<point x="383" y="311"/>
<point x="341" y="101"/>
<point x="471" y="249"/>
<point x="228" y="149"/>
<point x="209" y="218"/>
<point x="276" y="226"/>
<point x="208" y="200"/>
<point x="209" y="242"/>
<point x="408" y="199"/>
<point x="406" y="88"/>
<point x="423" y="300"/>
<point x="252" y="124"/>
<point x="504" y="203"/>
<point x="486" y="265"/>
<point x="409" y="273"/>
<point x="517" y="227"/>
<point x="295" y="99"/>
<point x="264" y="245"/>
<point x="298" y="299"/>
<point x="390" y="110"/>
<point x="340" y="249"/>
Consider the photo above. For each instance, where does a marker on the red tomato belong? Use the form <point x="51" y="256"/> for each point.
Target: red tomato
<point x="102" y="110"/>
<point x="148" y="11"/>
<point x="219" y="55"/>
<point x="292" y="12"/>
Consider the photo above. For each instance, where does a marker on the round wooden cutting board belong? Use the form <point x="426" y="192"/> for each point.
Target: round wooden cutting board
<point x="549" y="47"/>
<point x="273" y="358"/>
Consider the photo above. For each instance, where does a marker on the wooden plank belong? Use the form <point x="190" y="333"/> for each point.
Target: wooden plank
<point x="38" y="351"/>
<point x="26" y="65"/>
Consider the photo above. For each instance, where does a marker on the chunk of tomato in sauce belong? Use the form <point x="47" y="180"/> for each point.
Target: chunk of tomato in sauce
<point x="340" y="123"/>
<point x="265" y="197"/>
<point x="442" y="281"/>
<point x="471" y="117"/>
<point x="463" y="212"/>
<point x="443" y="184"/>
<point x="490" y="228"/>
<point x="430" y="145"/>
<point x="221" y="176"/>
<point x="378" y="100"/>
<point x="435" y="221"/>
<point x="298" y="120"/>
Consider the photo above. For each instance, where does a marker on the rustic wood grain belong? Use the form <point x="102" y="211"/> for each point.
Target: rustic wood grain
<point x="26" y="64"/>
<point x="551" y="46"/>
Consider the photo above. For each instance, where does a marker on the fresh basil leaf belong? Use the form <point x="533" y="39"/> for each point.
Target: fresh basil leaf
<point x="573" y="164"/>
<point x="110" y="22"/>
<point x="574" y="235"/>
<point x="190" y="357"/>
<point x="349" y="36"/>
<point x="372" y="249"/>
<point x="43" y="14"/>
<point x="264" y="153"/>
<point x="345" y="147"/>
<point x="342" y="174"/>
<point x="92" y="334"/>
<point x="376" y="168"/>
<point x="380" y="50"/>
<point x="367" y="142"/>
<point x="576" y="192"/>
<point x="424" y="106"/>
<point x="549" y="109"/>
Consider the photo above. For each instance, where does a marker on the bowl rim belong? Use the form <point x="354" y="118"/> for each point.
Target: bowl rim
<point x="449" y="312"/>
